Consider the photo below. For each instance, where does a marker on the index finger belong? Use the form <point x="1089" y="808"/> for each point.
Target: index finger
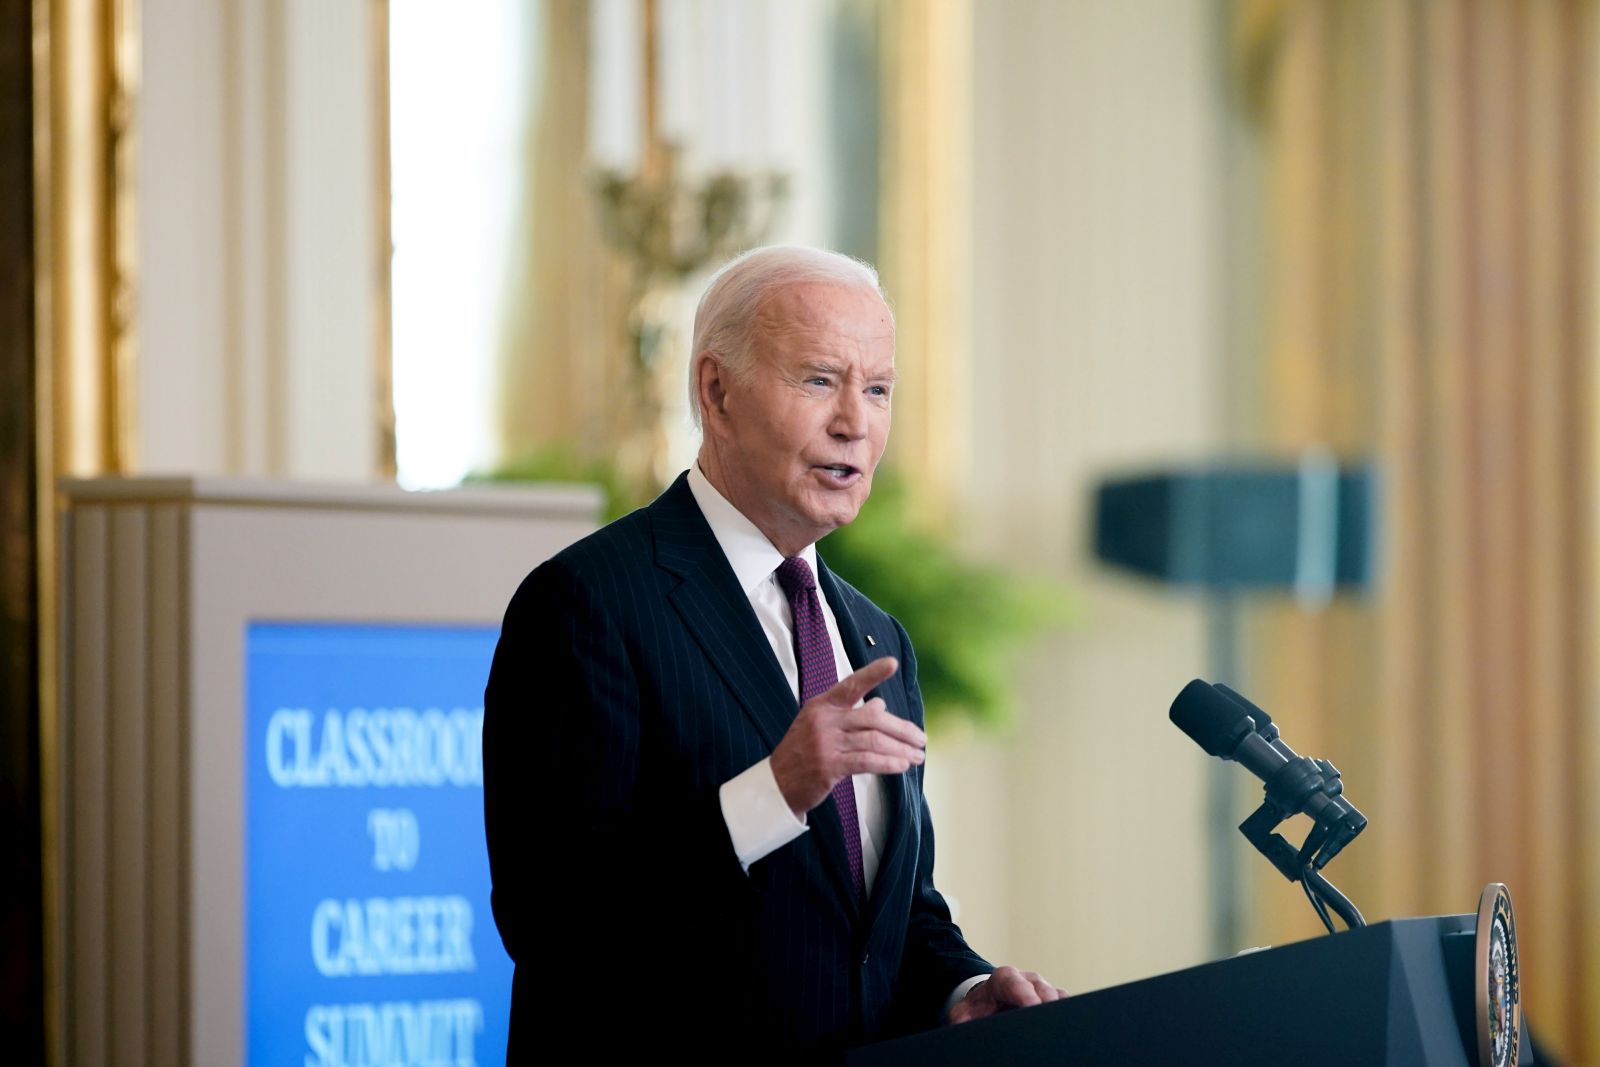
<point x="857" y="685"/>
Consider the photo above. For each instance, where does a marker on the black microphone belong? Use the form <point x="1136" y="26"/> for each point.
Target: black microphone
<point x="1230" y="727"/>
<point x="1263" y="721"/>
<point x="1356" y="822"/>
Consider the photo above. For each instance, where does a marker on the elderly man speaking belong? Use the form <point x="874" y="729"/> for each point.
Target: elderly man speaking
<point x="703" y="750"/>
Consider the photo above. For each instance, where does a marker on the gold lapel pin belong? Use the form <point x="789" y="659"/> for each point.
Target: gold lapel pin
<point x="872" y="641"/>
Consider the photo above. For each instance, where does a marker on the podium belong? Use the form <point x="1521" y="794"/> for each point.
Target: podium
<point x="1398" y="992"/>
<point x="271" y="802"/>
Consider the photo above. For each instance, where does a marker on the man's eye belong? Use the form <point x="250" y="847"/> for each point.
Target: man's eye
<point x="816" y="381"/>
<point x="879" y="390"/>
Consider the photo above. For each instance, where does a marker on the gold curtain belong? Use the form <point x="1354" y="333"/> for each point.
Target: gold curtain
<point x="563" y="361"/>
<point x="86" y="57"/>
<point x="925" y="236"/>
<point x="1430" y="239"/>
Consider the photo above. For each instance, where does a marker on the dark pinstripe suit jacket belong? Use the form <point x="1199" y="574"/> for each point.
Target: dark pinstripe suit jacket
<point x="631" y="680"/>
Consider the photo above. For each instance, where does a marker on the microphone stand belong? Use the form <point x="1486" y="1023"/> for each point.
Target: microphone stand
<point x="1326" y="839"/>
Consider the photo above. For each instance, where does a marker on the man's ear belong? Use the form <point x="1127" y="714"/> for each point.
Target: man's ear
<point x="710" y="385"/>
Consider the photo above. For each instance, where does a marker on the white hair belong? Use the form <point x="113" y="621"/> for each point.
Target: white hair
<point x="725" y="321"/>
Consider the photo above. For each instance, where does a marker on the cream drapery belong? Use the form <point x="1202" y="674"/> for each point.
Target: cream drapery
<point x="1430" y="243"/>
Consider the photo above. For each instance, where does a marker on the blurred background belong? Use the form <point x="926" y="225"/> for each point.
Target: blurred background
<point x="396" y="240"/>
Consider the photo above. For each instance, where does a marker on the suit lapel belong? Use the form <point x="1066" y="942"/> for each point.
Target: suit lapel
<point x="896" y="801"/>
<point x="718" y="615"/>
<point x="717" y="612"/>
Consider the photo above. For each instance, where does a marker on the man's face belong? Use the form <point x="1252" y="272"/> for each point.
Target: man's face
<point x="797" y="439"/>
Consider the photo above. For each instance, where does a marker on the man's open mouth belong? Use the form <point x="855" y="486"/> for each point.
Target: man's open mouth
<point x="840" y="471"/>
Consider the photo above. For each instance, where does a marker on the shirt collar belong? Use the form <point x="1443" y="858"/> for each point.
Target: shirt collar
<point x="750" y="554"/>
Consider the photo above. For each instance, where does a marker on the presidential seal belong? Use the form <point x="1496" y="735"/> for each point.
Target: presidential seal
<point x="1499" y="991"/>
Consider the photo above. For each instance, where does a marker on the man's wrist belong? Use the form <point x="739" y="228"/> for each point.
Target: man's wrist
<point x="960" y="993"/>
<point x="759" y="819"/>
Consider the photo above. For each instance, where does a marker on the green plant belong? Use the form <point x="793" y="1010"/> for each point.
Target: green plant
<point x="968" y="621"/>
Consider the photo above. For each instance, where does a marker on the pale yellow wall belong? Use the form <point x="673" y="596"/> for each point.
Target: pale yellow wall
<point x="1074" y="844"/>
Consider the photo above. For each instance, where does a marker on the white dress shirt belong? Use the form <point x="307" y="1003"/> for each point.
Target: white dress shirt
<point x="759" y="819"/>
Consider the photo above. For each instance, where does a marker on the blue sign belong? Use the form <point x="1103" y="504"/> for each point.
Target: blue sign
<point x="369" y="939"/>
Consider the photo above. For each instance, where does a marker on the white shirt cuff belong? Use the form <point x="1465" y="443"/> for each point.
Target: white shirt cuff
<point x="961" y="991"/>
<point x="759" y="820"/>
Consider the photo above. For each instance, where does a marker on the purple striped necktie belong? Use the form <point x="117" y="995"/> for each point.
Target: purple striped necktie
<point x="814" y="653"/>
